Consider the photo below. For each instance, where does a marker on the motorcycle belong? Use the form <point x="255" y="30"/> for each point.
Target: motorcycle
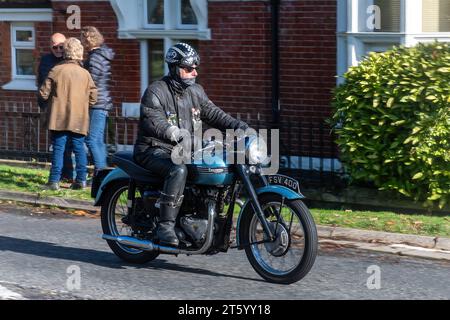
<point x="274" y="227"/>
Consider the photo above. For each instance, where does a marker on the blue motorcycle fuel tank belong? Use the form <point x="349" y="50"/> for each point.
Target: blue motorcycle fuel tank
<point x="215" y="172"/>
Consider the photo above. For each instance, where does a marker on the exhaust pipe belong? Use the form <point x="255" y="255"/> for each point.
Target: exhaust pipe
<point x="147" y="245"/>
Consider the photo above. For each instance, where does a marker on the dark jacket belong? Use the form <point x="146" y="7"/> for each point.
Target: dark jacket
<point x="46" y="64"/>
<point x="161" y="109"/>
<point x="98" y="64"/>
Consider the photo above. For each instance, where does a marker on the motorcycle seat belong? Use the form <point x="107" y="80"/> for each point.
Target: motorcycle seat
<point x="124" y="160"/>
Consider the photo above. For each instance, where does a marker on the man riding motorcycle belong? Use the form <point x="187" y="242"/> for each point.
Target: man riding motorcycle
<point x="169" y="105"/>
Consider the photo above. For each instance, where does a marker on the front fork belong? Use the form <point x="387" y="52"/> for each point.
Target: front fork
<point x="244" y="173"/>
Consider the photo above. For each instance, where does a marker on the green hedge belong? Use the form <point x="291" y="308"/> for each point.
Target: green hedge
<point x="392" y="117"/>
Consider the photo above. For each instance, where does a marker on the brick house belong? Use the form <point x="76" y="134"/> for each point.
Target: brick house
<point x="262" y="60"/>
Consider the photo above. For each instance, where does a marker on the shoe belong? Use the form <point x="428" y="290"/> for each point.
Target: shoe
<point x="166" y="226"/>
<point x="51" y="186"/>
<point x="78" y="185"/>
<point x="166" y="234"/>
<point x="89" y="182"/>
<point x="66" y="180"/>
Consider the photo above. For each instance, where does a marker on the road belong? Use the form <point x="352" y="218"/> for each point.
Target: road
<point x="43" y="254"/>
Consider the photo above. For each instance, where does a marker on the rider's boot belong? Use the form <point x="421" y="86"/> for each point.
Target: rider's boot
<point x="169" y="208"/>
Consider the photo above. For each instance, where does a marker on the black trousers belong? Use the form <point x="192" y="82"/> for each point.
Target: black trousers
<point x="159" y="162"/>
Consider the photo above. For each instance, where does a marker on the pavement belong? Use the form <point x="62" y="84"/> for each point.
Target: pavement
<point x="394" y="243"/>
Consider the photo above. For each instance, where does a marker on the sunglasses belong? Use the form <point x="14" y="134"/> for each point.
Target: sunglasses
<point x="58" y="47"/>
<point x="189" y="69"/>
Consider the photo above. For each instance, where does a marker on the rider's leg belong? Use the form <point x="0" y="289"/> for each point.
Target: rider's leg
<point x="160" y="162"/>
<point x="170" y="203"/>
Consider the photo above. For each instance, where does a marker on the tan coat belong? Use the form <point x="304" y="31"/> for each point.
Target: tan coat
<point x="71" y="91"/>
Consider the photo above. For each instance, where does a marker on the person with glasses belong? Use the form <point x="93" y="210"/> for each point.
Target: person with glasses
<point x="169" y="105"/>
<point x="47" y="62"/>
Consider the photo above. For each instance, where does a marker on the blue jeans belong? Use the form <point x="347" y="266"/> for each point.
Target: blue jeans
<point x="67" y="171"/>
<point x="59" y="140"/>
<point x="96" y="137"/>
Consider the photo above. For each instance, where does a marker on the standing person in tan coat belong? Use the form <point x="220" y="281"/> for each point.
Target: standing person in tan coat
<point x="70" y="90"/>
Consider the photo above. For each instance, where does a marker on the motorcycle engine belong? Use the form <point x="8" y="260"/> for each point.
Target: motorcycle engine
<point x="194" y="219"/>
<point x="196" y="228"/>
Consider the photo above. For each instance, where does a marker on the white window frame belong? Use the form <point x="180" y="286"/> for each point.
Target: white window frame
<point x="352" y="44"/>
<point x="20" y="82"/>
<point x="21" y="45"/>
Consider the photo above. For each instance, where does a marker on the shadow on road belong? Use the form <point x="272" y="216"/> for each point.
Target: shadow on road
<point x="99" y="258"/>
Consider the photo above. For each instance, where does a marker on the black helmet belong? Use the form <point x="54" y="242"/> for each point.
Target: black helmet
<point x="182" y="54"/>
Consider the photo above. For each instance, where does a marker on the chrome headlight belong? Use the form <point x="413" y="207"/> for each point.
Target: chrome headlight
<point x="257" y="150"/>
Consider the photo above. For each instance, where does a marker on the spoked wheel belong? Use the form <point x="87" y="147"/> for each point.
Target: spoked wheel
<point x="114" y="209"/>
<point x="291" y="256"/>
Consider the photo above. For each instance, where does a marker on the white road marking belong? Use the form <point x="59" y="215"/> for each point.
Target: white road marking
<point x="6" y="294"/>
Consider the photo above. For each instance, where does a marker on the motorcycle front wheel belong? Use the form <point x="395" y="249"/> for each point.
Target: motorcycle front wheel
<point x="291" y="255"/>
<point x="114" y="209"/>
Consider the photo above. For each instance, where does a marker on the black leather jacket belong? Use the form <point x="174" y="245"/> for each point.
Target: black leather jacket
<point x="98" y="64"/>
<point x="162" y="108"/>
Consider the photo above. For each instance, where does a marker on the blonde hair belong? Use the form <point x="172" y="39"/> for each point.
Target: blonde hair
<point x="73" y="49"/>
<point x="92" y="37"/>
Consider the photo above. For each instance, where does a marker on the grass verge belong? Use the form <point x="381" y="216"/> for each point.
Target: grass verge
<point x="32" y="180"/>
<point x="384" y="221"/>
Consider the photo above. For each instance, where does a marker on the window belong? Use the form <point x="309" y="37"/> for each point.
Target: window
<point x="436" y="16"/>
<point x="390" y="15"/>
<point x="401" y="22"/>
<point x="170" y="14"/>
<point x="155" y="13"/>
<point x="22" y="46"/>
<point x="385" y="18"/>
<point x="155" y="59"/>
<point x="187" y="18"/>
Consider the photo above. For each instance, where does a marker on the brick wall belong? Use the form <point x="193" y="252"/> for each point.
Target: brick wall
<point x="236" y="65"/>
<point x="307" y="73"/>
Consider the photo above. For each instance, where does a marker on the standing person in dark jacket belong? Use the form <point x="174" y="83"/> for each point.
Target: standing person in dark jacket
<point x="98" y="64"/>
<point x="46" y="64"/>
<point x="176" y="102"/>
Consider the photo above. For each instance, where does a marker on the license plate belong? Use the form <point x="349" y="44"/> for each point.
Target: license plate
<point x="285" y="181"/>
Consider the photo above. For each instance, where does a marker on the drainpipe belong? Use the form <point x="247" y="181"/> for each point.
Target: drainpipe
<point x="275" y="8"/>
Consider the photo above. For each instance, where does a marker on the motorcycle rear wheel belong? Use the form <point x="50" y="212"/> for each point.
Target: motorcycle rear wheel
<point x="114" y="208"/>
<point x="291" y="256"/>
